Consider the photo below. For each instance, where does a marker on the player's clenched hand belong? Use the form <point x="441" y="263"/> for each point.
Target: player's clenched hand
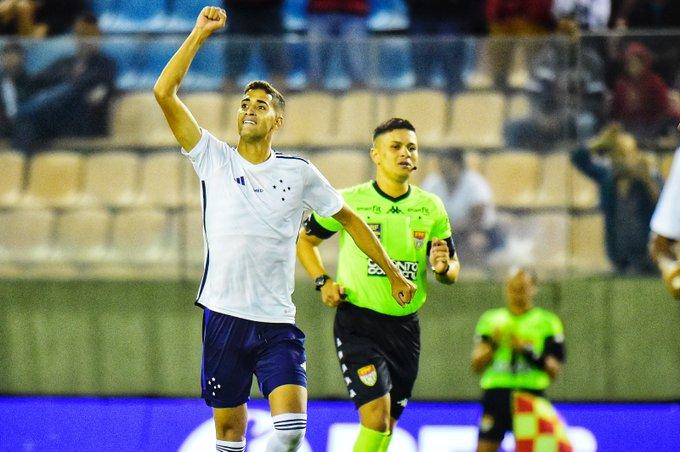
<point x="211" y="19"/>
<point x="671" y="277"/>
<point x="403" y="290"/>
<point x="439" y="256"/>
<point x="332" y="294"/>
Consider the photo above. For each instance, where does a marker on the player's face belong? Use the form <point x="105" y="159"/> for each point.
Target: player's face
<point x="395" y="153"/>
<point x="257" y="116"/>
<point x="519" y="291"/>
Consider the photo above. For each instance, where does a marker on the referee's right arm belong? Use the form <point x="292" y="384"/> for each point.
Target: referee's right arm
<point x="181" y="121"/>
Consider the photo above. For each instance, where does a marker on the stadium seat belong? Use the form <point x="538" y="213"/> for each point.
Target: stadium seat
<point x="138" y="121"/>
<point x="111" y="179"/>
<point x="82" y="235"/>
<point x="125" y="16"/>
<point x="54" y="180"/>
<point x="12" y="180"/>
<point x="356" y="119"/>
<point x="308" y="121"/>
<point x="191" y="185"/>
<point x="342" y="167"/>
<point x="209" y="111"/>
<point x="142" y="236"/>
<point x="161" y="179"/>
<point x="519" y="107"/>
<point x="427" y="110"/>
<point x="587" y="244"/>
<point x="192" y="231"/>
<point x="26" y="235"/>
<point x="539" y="240"/>
<point x="477" y="121"/>
<point x="232" y="103"/>
<point x="513" y="177"/>
<point x="584" y="193"/>
<point x="553" y="186"/>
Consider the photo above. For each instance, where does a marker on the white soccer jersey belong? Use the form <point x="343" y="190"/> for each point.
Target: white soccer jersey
<point x="251" y="218"/>
<point x="666" y="218"/>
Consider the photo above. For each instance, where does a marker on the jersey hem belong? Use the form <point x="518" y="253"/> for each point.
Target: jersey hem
<point x="240" y="315"/>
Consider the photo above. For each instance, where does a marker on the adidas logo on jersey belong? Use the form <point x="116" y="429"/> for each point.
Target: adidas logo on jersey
<point x="240" y="180"/>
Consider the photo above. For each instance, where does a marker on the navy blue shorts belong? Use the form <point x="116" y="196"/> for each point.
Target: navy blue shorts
<point x="234" y="349"/>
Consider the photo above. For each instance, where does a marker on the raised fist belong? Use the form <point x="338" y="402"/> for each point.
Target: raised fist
<point x="211" y="19"/>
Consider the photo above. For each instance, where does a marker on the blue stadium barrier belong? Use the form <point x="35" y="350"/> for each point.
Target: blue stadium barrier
<point x="128" y="55"/>
<point x="134" y="16"/>
<point x="206" y="72"/>
<point x="182" y="14"/>
<point x="40" y="54"/>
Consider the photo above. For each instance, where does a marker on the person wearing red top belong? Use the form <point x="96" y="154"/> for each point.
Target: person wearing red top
<point x="519" y="17"/>
<point x="640" y="99"/>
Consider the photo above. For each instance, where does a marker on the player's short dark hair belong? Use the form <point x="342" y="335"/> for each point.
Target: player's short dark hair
<point x="279" y="101"/>
<point x="392" y="124"/>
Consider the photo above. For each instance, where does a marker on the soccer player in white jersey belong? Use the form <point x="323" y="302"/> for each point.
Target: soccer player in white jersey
<point x="253" y="201"/>
<point x="665" y="226"/>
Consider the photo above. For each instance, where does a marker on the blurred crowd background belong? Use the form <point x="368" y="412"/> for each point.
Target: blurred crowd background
<point x="546" y="126"/>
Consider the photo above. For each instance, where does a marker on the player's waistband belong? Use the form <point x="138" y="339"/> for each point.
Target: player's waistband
<point x="353" y="309"/>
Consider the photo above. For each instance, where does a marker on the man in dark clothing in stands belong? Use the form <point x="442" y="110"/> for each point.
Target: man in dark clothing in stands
<point x="629" y="189"/>
<point x="71" y="96"/>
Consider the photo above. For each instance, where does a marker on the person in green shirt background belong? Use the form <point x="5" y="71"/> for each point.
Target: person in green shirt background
<point x="519" y="347"/>
<point x="377" y="339"/>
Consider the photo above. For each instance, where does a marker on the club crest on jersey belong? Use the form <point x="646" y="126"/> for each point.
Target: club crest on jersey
<point x="376" y="228"/>
<point x="368" y="375"/>
<point x="418" y="238"/>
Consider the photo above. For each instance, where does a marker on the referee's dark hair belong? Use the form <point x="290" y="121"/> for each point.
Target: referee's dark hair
<point x="392" y="124"/>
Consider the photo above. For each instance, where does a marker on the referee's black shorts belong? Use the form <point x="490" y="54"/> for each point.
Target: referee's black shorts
<point x="497" y="413"/>
<point x="378" y="354"/>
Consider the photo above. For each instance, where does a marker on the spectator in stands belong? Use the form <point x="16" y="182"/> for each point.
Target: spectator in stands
<point x="629" y="188"/>
<point x="17" y="17"/>
<point x="15" y="86"/>
<point x="334" y="62"/>
<point x="246" y="60"/>
<point x="575" y="15"/>
<point x="648" y="14"/>
<point x="641" y="98"/>
<point x="71" y="96"/>
<point x="510" y="19"/>
<point x="469" y="202"/>
<point x="439" y="49"/>
<point x="38" y="19"/>
<point x="56" y="17"/>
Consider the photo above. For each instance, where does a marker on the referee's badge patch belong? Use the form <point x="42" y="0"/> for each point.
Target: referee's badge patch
<point x="418" y="238"/>
<point x="368" y="375"/>
<point x="376" y="228"/>
<point x="487" y="423"/>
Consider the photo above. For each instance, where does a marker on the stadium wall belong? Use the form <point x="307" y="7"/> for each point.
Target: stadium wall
<point x="143" y="338"/>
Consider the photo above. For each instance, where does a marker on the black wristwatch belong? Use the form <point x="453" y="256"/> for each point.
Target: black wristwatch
<point x="321" y="281"/>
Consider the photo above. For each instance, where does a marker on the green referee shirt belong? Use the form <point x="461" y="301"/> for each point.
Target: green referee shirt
<point x="509" y="369"/>
<point x="405" y="226"/>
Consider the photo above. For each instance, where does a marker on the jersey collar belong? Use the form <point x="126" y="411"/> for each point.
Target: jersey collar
<point x="391" y="198"/>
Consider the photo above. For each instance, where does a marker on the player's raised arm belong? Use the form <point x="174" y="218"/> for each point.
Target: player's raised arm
<point x="402" y="288"/>
<point x="181" y="121"/>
